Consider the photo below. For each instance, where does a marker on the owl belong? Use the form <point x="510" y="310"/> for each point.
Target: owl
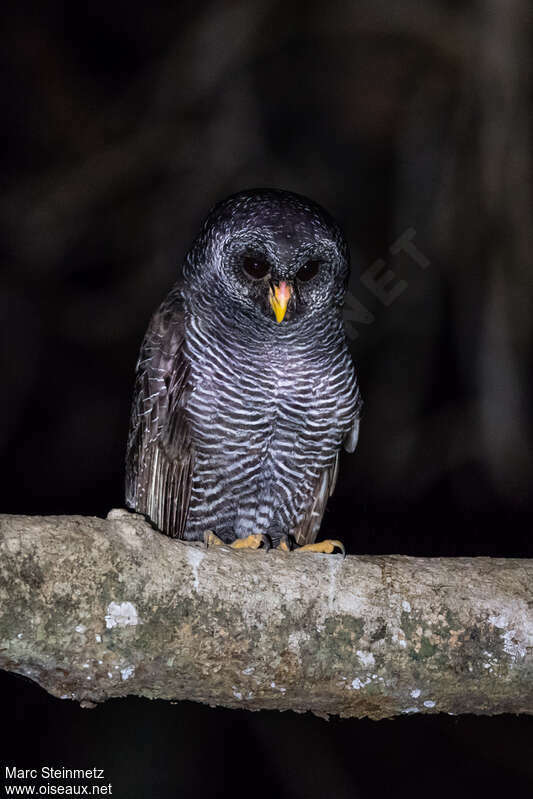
<point x="245" y="390"/>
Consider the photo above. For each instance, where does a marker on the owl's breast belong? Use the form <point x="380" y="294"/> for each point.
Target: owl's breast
<point x="258" y="401"/>
<point x="231" y="407"/>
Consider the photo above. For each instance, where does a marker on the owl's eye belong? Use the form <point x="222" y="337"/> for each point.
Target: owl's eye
<point x="308" y="271"/>
<point x="255" y="269"/>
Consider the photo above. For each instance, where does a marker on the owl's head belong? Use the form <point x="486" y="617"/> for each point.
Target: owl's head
<point x="275" y="255"/>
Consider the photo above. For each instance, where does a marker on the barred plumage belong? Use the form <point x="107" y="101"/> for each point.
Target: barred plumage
<point x="237" y="418"/>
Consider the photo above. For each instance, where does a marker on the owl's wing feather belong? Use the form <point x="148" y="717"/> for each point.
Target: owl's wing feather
<point x="306" y="531"/>
<point x="350" y="442"/>
<point x="160" y="457"/>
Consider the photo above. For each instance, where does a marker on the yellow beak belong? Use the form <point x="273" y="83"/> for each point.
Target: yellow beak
<point x="279" y="299"/>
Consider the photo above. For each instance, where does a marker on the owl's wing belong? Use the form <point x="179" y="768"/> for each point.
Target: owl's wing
<point x="307" y="530"/>
<point x="159" y="458"/>
<point x="350" y="442"/>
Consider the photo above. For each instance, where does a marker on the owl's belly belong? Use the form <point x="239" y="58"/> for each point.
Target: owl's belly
<point x="260" y="444"/>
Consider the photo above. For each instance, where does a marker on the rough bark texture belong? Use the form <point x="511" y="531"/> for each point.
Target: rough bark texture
<point x="92" y="609"/>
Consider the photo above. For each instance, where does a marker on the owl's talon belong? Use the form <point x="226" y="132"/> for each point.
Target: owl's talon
<point x="254" y="541"/>
<point x="212" y="540"/>
<point x="328" y="547"/>
<point x="285" y="544"/>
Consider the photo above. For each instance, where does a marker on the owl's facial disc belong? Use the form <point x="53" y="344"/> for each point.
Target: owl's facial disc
<point x="279" y="297"/>
<point x="285" y="279"/>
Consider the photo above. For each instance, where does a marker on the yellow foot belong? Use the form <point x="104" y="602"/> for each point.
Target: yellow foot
<point x="327" y="547"/>
<point x="252" y="542"/>
<point x="212" y="540"/>
<point x="285" y="544"/>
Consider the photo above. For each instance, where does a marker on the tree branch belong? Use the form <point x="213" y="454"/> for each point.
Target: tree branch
<point x="92" y="609"/>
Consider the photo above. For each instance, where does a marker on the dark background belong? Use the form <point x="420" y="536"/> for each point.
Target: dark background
<point x="122" y="124"/>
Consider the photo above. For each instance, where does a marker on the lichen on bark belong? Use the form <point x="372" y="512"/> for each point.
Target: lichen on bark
<point x="92" y="609"/>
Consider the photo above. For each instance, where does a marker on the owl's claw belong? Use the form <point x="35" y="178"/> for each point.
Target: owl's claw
<point x="212" y="540"/>
<point x="254" y="541"/>
<point x="285" y="544"/>
<point x="328" y="547"/>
